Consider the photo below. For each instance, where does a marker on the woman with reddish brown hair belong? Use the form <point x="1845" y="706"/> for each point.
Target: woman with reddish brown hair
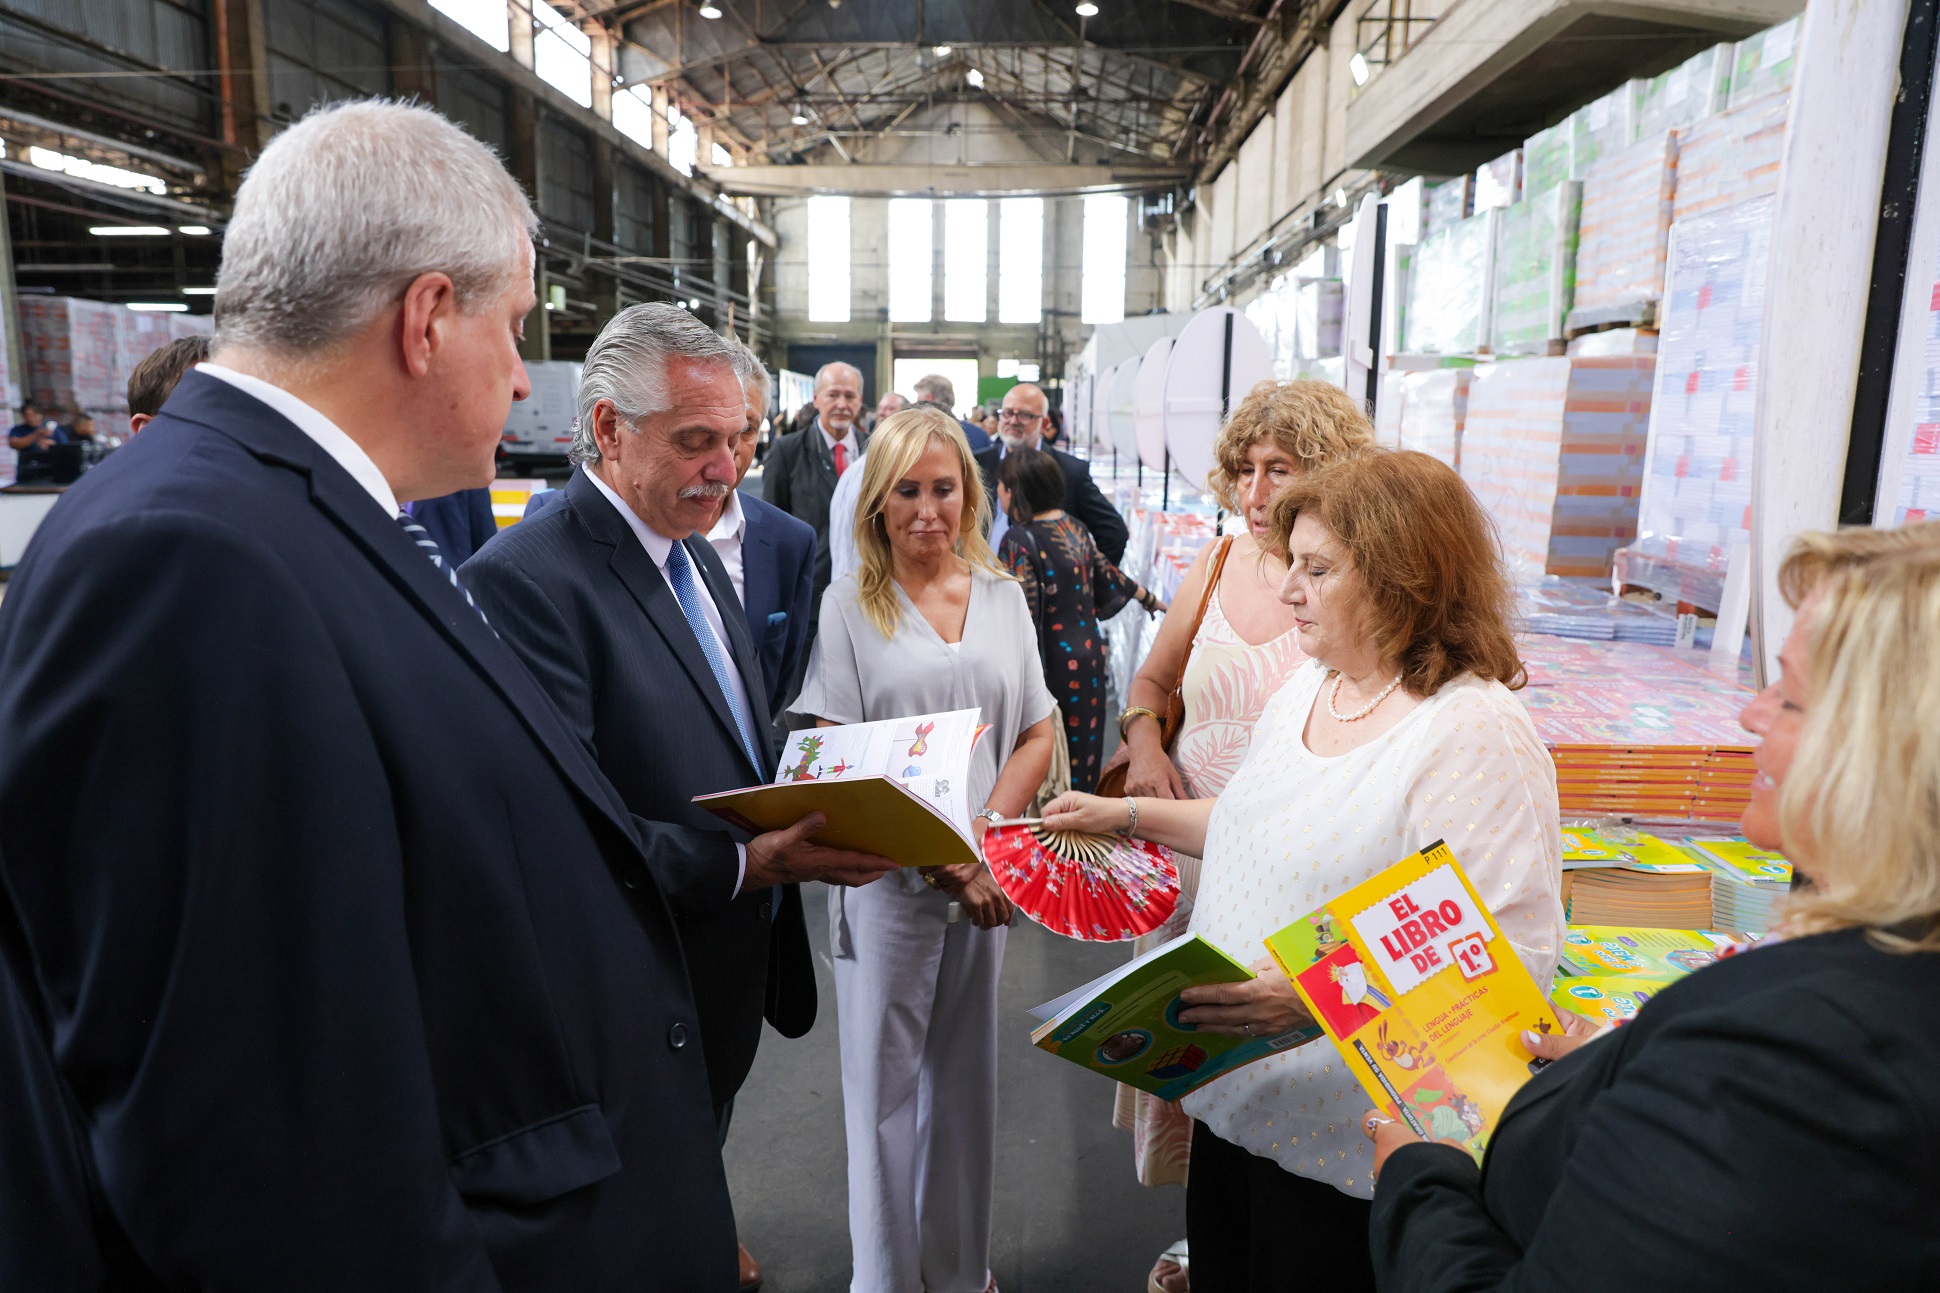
<point x="1400" y="731"/>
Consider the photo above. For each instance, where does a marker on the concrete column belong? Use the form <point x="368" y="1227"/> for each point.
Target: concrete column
<point x="10" y="316"/>
<point x="414" y="74"/>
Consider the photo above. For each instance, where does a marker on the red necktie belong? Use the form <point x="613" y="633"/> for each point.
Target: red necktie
<point x="841" y="458"/>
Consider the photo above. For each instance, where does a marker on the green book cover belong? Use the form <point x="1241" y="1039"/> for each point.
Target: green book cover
<point x="1602" y="950"/>
<point x="1126" y="1026"/>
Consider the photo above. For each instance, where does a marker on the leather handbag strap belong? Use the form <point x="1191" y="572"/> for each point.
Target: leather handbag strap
<point x="1213" y="570"/>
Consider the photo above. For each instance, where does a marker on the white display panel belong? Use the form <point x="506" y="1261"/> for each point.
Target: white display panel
<point x="1217" y="359"/>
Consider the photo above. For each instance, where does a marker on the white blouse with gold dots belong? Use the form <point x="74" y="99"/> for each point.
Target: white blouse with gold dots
<point x="1292" y="829"/>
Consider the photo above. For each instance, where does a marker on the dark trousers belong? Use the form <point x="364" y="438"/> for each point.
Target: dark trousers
<point x="1255" y="1227"/>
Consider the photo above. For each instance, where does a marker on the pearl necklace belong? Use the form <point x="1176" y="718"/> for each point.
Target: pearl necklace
<point x="1333" y="699"/>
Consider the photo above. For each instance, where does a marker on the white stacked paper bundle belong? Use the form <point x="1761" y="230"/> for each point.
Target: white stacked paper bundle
<point x="1546" y="157"/>
<point x="1626" y="224"/>
<point x="1731" y="157"/>
<point x="1697" y="485"/>
<point x="1434" y="412"/>
<point x="1918" y="495"/>
<point x="1449" y="202"/>
<point x="1535" y="270"/>
<point x="1554" y="450"/>
<point x="1318" y="308"/>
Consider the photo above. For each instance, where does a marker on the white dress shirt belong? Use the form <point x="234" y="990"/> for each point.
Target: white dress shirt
<point x="846" y="440"/>
<point x="658" y="547"/>
<point x="726" y="537"/>
<point x="330" y="437"/>
<point x="998" y="521"/>
<point x="844" y="558"/>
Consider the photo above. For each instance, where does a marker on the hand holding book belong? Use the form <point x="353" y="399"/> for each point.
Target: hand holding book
<point x="1264" y="1006"/>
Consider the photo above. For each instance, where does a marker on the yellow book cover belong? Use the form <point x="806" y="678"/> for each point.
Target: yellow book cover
<point x="898" y="788"/>
<point x="1422" y="994"/>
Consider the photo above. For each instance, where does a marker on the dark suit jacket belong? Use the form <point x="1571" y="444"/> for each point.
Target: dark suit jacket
<point x="778" y="572"/>
<point x="1765" y="1124"/>
<point x="799" y="478"/>
<point x="460" y="524"/>
<point x="346" y="968"/>
<point x="1082" y="498"/>
<point x="574" y="593"/>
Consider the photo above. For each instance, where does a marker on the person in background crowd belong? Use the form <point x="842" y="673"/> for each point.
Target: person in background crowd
<point x="803" y="419"/>
<point x="1403" y="602"/>
<point x="891" y="402"/>
<point x="930" y="623"/>
<point x="1069" y="587"/>
<point x="80" y="426"/>
<point x="769" y="556"/>
<point x="154" y="378"/>
<point x="1244" y="650"/>
<point x="804" y="466"/>
<point x="1022" y="428"/>
<point x="938" y="390"/>
<point x="629" y="620"/>
<point x="1797" y="1069"/>
<point x="1053" y="434"/>
<point x="343" y="965"/>
<point x="32" y="431"/>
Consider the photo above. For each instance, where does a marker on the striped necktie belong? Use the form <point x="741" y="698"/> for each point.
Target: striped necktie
<point x="422" y="537"/>
<point x="680" y="575"/>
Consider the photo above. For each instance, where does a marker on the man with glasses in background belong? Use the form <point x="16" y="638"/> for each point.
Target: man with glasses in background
<point x="1020" y="425"/>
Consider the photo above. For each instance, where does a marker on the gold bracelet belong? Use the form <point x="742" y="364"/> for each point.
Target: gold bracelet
<point x="1130" y="712"/>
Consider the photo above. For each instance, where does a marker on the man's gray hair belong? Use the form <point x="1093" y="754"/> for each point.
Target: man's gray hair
<point x="937" y="389"/>
<point x="344" y="209"/>
<point x="756" y="376"/>
<point x="627" y="365"/>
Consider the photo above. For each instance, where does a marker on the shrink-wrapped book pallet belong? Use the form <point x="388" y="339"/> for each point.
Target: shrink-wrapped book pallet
<point x="1730" y="157"/>
<point x="1535" y="270"/>
<point x="1918" y="497"/>
<point x="1434" y="412"/>
<point x="1554" y="450"/>
<point x="71" y="352"/>
<point x="1689" y="92"/>
<point x="1626" y="224"/>
<point x="1637" y="730"/>
<point x="1448" y="288"/>
<point x="1763" y="64"/>
<point x="1697" y="483"/>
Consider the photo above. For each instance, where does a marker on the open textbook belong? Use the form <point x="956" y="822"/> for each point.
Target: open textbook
<point x="1125" y="1024"/>
<point x="899" y="788"/>
<point x="1422" y="995"/>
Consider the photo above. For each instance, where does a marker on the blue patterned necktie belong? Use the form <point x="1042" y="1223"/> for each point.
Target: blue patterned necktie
<point x="422" y="537"/>
<point x="680" y="574"/>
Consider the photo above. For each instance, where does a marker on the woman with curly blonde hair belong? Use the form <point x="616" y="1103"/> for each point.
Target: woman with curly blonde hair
<point x="1768" y="1121"/>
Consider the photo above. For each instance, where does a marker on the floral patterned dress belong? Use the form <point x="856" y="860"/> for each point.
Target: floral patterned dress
<point x="1070" y="587"/>
<point x="1227" y="686"/>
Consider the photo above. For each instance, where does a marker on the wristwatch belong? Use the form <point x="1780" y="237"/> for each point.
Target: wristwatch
<point x="990" y="815"/>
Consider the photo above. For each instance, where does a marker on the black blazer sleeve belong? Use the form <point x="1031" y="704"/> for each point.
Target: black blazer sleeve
<point x="697" y="870"/>
<point x="215" y="859"/>
<point x="778" y="473"/>
<point x="800" y="588"/>
<point x="1705" y="1164"/>
<point x="1084" y="500"/>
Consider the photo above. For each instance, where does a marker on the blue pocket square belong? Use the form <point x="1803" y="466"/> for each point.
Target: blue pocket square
<point x="777" y="617"/>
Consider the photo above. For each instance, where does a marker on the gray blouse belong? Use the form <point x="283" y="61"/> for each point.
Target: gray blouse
<point x="855" y="675"/>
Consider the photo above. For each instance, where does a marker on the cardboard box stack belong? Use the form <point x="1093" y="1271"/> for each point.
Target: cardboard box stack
<point x="1697" y="483"/>
<point x="1554" y="449"/>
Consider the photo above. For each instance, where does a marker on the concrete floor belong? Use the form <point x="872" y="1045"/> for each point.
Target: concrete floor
<point x="1070" y="1214"/>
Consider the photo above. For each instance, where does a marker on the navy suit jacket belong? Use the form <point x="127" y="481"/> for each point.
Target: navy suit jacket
<point x="1082" y="498"/>
<point x="460" y="524"/>
<point x="577" y="596"/>
<point x="343" y="966"/>
<point x="778" y="572"/>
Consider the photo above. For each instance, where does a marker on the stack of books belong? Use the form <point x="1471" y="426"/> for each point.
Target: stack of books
<point x="1639" y="730"/>
<point x="1632" y="879"/>
<point x="1608" y="971"/>
<point x="1746" y="882"/>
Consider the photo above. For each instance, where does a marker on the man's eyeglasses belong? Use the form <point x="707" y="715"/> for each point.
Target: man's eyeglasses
<point x="1018" y="415"/>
